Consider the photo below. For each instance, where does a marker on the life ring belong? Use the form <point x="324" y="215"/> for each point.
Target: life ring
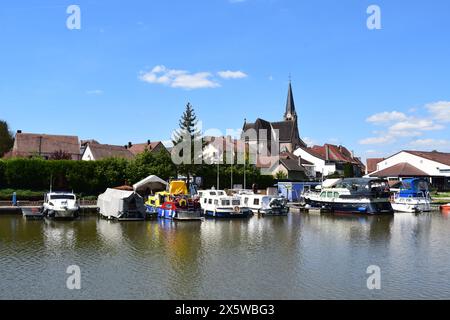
<point x="237" y="209"/>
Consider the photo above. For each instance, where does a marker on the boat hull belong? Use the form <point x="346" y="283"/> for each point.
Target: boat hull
<point x="62" y="214"/>
<point x="274" y="211"/>
<point x="412" y="207"/>
<point x="357" y="207"/>
<point x="243" y="214"/>
<point x="185" y="215"/>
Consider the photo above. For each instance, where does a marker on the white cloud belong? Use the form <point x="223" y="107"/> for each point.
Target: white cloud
<point x="440" y="111"/>
<point x="415" y="124"/>
<point x="96" y="92"/>
<point x="400" y="125"/>
<point x="376" y="140"/>
<point x="232" y="74"/>
<point x="309" y="142"/>
<point x="430" y="142"/>
<point x="179" y="78"/>
<point x="386" y="117"/>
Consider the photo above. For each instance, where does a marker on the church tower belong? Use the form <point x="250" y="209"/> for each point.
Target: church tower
<point x="290" y="114"/>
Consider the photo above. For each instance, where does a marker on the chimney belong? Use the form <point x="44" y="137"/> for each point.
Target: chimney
<point x="149" y="142"/>
<point x="300" y="161"/>
<point x="130" y="145"/>
<point x="327" y="152"/>
<point x="19" y="131"/>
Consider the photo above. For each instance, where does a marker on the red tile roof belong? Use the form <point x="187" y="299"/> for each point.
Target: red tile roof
<point x="440" y="157"/>
<point x="29" y="144"/>
<point x="400" y="170"/>
<point x="335" y="153"/>
<point x="372" y="164"/>
<point x="104" y="151"/>
<point x="141" y="147"/>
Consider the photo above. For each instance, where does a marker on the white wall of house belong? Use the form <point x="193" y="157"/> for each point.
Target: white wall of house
<point x="432" y="168"/>
<point x="87" y="155"/>
<point x="319" y="164"/>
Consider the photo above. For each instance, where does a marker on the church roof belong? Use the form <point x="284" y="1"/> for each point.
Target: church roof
<point x="290" y="104"/>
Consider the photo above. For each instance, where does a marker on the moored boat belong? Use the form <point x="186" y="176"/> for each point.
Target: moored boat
<point x="352" y="196"/>
<point x="175" y="204"/>
<point x="413" y="196"/>
<point x="60" y="205"/>
<point x="121" y="205"/>
<point x="217" y="204"/>
<point x="265" y="204"/>
<point x="445" y="209"/>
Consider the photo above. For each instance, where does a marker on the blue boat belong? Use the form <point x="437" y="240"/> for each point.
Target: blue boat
<point x="412" y="196"/>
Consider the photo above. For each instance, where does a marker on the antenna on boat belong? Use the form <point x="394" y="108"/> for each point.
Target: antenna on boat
<point x="51" y="182"/>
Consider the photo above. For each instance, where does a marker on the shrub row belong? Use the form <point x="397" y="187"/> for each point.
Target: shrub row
<point x="93" y="177"/>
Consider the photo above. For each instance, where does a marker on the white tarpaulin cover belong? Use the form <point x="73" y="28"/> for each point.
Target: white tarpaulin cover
<point x="117" y="203"/>
<point x="152" y="183"/>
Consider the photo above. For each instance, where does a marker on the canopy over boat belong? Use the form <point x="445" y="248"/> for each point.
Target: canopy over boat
<point x="413" y="187"/>
<point x="153" y="183"/>
<point x="118" y="203"/>
<point x="178" y="188"/>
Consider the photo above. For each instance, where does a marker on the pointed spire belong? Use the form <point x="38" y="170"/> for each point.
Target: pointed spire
<point x="290" y="113"/>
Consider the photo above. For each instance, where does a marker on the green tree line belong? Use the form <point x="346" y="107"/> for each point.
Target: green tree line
<point x="93" y="177"/>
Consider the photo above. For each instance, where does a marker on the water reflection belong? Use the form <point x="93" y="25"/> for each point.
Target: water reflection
<point x="295" y="257"/>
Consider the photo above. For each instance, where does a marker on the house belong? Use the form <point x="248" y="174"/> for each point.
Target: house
<point x="294" y="168"/>
<point x="153" y="147"/>
<point x="288" y="133"/>
<point x="94" y="151"/>
<point x="434" y="165"/>
<point x="329" y="159"/>
<point x="27" y="145"/>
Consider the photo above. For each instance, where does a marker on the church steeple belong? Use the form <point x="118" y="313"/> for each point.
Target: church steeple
<point x="290" y="113"/>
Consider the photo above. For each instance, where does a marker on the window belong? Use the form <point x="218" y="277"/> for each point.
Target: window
<point x="236" y="202"/>
<point x="216" y="202"/>
<point x="205" y="200"/>
<point x="225" y="202"/>
<point x="62" y="197"/>
<point x="256" y="202"/>
<point x="210" y="201"/>
<point x="329" y="194"/>
<point x="212" y="193"/>
<point x="323" y="195"/>
<point x="336" y="195"/>
<point x="246" y="200"/>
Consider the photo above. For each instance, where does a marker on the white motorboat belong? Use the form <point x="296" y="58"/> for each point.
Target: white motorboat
<point x="61" y="205"/>
<point x="413" y="196"/>
<point x="265" y="204"/>
<point x="217" y="204"/>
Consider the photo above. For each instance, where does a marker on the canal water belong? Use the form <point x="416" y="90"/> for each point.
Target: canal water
<point x="296" y="257"/>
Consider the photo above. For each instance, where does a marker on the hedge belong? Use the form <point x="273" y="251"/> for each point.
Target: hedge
<point x="89" y="178"/>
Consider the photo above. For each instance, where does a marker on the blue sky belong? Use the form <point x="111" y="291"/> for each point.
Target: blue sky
<point x="130" y="70"/>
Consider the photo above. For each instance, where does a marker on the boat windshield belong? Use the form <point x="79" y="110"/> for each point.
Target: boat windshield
<point x="364" y="186"/>
<point x="62" y="197"/>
